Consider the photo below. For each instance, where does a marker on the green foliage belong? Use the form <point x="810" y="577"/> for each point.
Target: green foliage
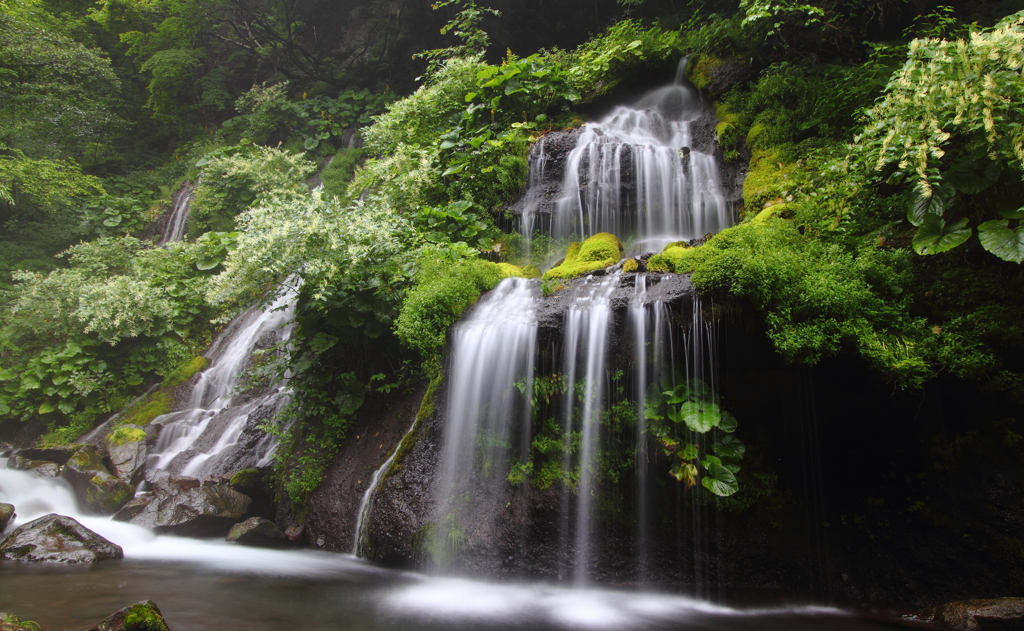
<point x="267" y="111"/>
<point x="597" y="252"/>
<point x="465" y="26"/>
<point x="455" y="221"/>
<point x="445" y="290"/>
<point x="603" y="62"/>
<point x="337" y="175"/>
<point x="948" y="125"/>
<point x="232" y="178"/>
<point x="124" y="435"/>
<point x="142" y="617"/>
<point x="693" y="411"/>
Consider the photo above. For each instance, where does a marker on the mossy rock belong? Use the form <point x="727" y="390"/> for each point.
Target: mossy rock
<point x="508" y="270"/>
<point x="630" y="266"/>
<point x="151" y="406"/>
<point x="246" y="480"/>
<point x="142" y="616"/>
<point x="185" y="372"/>
<point x="701" y="71"/>
<point x="771" y="176"/>
<point x="598" y="252"/>
<point x="125" y="434"/>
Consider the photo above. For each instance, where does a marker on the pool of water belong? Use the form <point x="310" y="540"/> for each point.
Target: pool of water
<point x="208" y="584"/>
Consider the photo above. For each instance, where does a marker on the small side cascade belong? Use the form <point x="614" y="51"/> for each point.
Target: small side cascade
<point x="196" y="440"/>
<point x="587" y="325"/>
<point x="535" y="194"/>
<point x="366" y="504"/>
<point x="178" y="220"/>
<point x="638" y="173"/>
<point x="492" y="350"/>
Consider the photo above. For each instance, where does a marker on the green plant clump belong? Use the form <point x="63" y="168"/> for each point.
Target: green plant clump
<point x="597" y="252"/>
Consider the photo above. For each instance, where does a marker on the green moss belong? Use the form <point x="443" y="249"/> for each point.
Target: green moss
<point x="245" y="479"/>
<point x="630" y="266"/>
<point x="185" y="372"/>
<point x="769" y="178"/>
<point x="146" y="409"/>
<point x="123" y="435"/>
<point x="700" y="71"/>
<point x="597" y="252"/>
<point x="727" y="131"/>
<point x="142" y="617"/>
<point x="509" y="270"/>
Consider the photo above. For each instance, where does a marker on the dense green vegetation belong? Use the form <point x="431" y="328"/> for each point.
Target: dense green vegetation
<point x="881" y="211"/>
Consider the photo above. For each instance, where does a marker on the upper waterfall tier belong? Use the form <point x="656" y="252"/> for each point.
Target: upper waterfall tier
<point x="644" y="172"/>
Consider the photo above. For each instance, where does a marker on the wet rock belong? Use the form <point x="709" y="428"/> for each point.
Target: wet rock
<point x="974" y="615"/>
<point x="185" y="482"/>
<point x="127" y="451"/>
<point x="200" y="511"/>
<point x="57" y="539"/>
<point x="257" y="531"/>
<point x="98" y="492"/>
<point x="6" y="515"/>
<point x="133" y="508"/>
<point x="142" y="616"/>
<point x="41" y="468"/>
<point x="60" y="455"/>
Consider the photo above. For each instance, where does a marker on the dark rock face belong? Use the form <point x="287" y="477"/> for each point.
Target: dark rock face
<point x="975" y="615"/>
<point x="127" y="451"/>
<point x="59" y="455"/>
<point x="208" y="510"/>
<point x="6" y="515"/>
<point x="257" y="531"/>
<point x="142" y="616"/>
<point x="57" y="539"/>
<point x="334" y="507"/>
<point x="98" y="492"/>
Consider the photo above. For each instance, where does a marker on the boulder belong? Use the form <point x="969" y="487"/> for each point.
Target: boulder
<point x="126" y="448"/>
<point x="60" y="455"/>
<point x="200" y="511"/>
<point x="133" y="508"/>
<point x="57" y="539"/>
<point x="974" y="615"/>
<point x="142" y="616"/>
<point x="257" y="531"/>
<point x="6" y="515"/>
<point x="41" y="468"/>
<point x="98" y="492"/>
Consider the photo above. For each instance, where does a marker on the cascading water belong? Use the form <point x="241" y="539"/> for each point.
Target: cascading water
<point x="492" y="350"/>
<point x="587" y="324"/>
<point x="201" y="439"/>
<point x="178" y="220"/>
<point x="638" y="173"/>
<point x="366" y="505"/>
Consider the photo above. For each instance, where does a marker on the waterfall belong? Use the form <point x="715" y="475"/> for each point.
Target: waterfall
<point x="587" y="323"/>
<point x="636" y="173"/>
<point x="492" y="349"/>
<point x="366" y="504"/>
<point x="201" y="439"/>
<point x="174" y="230"/>
<point x="534" y="196"/>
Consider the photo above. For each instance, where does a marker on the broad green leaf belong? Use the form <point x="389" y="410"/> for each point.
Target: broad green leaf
<point x="700" y="417"/>
<point x="934" y="235"/>
<point x="455" y="169"/>
<point x="689" y="452"/>
<point x="998" y="238"/>
<point x="470" y="96"/>
<point x="730" y="448"/>
<point x="685" y="472"/>
<point x="710" y="460"/>
<point x="972" y="175"/>
<point x="110" y="222"/>
<point x="1012" y="214"/>
<point x="47" y="407"/>
<point x="942" y="198"/>
<point x="721" y="481"/>
<point x="728" y="423"/>
<point x="447" y="144"/>
<point x="204" y="263"/>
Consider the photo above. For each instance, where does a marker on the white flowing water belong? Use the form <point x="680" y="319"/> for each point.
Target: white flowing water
<point x="366" y="505"/>
<point x="199" y="438"/>
<point x="492" y="350"/>
<point x="587" y="325"/>
<point x="178" y="221"/>
<point x="636" y="174"/>
<point x="35" y="497"/>
<point x="534" y="195"/>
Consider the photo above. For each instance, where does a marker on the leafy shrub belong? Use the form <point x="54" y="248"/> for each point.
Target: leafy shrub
<point x="444" y="293"/>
